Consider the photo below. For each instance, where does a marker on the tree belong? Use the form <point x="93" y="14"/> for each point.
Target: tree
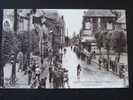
<point x="10" y="45"/>
<point x="99" y="41"/>
<point x="24" y="40"/>
<point x="118" y="40"/>
<point x="107" y="44"/>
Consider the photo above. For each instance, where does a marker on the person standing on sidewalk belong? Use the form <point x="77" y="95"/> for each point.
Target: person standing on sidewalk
<point x="65" y="50"/>
<point x="50" y="74"/>
<point x="34" y="67"/>
<point x="94" y="54"/>
<point x="113" y="67"/>
<point x="71" y="47"/>
<point x="29" y="75"/>
<point x="42" y="83"/>
<point x="78" y="71"/>
<point x="100" y="61"/>
<point x="66" y="78"/>
<point x="37" y="72"/>
<point x="55" y="79"/>
<point x="20" y="60"/>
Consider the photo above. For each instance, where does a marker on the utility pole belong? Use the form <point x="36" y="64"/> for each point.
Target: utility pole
<point x="13" y="76"/>
<point x="67" y="36"/>
<point x="29" y="39"/>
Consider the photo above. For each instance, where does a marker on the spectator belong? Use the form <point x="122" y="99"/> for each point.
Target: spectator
<point x="100" y="61"/>
<point x="50" y="74"/>
<point x="29" y="75"/>
<point x="78" y="71"/>
<point x="66" y="78"/>
<point x="37" y="72"/>
<point x="42" y="83"/>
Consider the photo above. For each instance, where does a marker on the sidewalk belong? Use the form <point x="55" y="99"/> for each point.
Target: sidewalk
<point x="123" y="58"/>
<point x="21" y="79"/>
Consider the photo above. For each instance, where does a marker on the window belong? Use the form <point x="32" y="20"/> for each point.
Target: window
<point x="88" y="25"/>
<point x="109" y="26"/>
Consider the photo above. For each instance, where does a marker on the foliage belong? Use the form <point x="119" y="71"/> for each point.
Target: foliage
<point x="29" y="41"/>
<point x="10" y="44"/>
<point x="99" y="40"/>
<point x="23" y="37"/>
<point x="107" y="40"/>
<point x="118" y="41"/>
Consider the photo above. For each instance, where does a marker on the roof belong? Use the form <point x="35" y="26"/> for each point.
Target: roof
<point x="122" y="19"/>
<point x="51" y="14"/>
<point x="99" y="13"/>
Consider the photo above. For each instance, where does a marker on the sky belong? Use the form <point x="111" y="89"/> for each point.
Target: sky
<point x="73" y="20"/>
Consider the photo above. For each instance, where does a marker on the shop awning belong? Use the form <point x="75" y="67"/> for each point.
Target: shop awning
<point x="88" y="39"/>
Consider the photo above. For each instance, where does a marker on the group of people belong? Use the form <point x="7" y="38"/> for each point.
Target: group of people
<point x="58" y="77"/>
<point x="34" y="79"/>
<point x="111" y="64"/>
<point x="103" y="62"/>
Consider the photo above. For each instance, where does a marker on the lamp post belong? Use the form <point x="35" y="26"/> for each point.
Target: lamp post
<point x="29" y="39"/>
<point x="14" y="55"/>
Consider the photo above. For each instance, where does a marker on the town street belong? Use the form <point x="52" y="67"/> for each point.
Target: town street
<point x="36" y="50"/>
<point x="91" y="76"/>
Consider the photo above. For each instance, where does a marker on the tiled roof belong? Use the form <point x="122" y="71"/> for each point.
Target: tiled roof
<point x="99" y="13"/>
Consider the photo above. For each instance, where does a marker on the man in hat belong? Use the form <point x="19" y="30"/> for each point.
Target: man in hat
<point x="29" y="74"/>
<point x="78" y="71"/>
<point x="42" y="83"/>
<point x="50" y="74"/>
<point x="100" y="61"/>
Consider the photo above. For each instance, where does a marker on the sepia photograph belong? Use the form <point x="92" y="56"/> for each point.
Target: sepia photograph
<point x="64" y="49"/>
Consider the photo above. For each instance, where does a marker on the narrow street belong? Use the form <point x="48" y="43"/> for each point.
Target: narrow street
<point x="91" y="76"/>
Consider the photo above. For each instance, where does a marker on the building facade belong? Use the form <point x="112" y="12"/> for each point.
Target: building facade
<point x="121" y="22"/>
<point x="95" y="21"/>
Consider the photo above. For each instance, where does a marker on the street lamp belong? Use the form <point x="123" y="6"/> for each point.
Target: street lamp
<point x="12" y="61"/>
